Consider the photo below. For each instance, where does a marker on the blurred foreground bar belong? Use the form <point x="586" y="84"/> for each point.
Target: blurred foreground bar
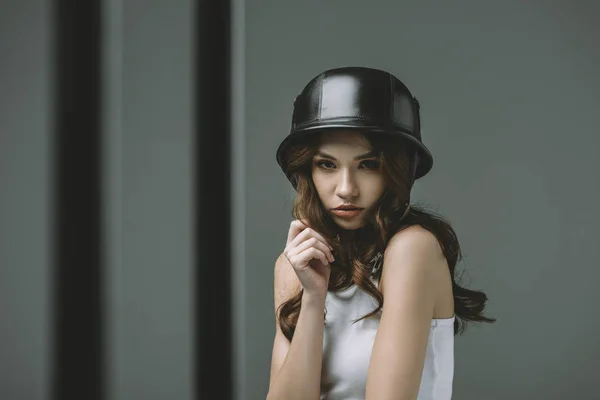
<point x="77" y="355"/>
<point x="213" y="372"/>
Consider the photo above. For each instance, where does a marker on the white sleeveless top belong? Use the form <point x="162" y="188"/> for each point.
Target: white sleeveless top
<point x="347" y="349"/>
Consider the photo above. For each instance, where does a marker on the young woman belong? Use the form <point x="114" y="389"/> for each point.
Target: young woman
<point x="353" y="154"/>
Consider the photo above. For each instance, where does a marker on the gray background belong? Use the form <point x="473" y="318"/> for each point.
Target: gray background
<point x="509" y="95"/>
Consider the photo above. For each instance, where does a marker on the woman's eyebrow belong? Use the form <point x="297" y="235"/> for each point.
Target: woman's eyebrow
<point x="372" y="153"/>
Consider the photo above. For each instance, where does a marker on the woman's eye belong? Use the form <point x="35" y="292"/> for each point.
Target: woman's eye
<point x="373" y="164"/>
<point x="370" y="164"/>
<point x="324" y="163"/>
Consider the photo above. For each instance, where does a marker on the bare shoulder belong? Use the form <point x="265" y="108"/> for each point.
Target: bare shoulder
<point x="415" y="241"/>
<point x="415" y="252"/>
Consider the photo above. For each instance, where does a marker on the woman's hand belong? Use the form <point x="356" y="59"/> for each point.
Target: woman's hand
<point x="310" y="255"/>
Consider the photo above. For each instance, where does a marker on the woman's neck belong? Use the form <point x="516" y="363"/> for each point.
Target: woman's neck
<point x="346" y="240"/>
<point x="346" y="236"/>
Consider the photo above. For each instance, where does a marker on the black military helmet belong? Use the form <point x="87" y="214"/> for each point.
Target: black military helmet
<point x="359" y="98"/>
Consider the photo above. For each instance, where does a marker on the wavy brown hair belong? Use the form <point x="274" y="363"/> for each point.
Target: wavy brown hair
<point x="383" y="222"/>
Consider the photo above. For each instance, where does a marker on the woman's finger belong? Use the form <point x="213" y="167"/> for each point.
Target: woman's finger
<point x="316" y="243"/>
<point x="295" y="228"/>
<point x="305" y="234"/>
<point x="311" y="253"/>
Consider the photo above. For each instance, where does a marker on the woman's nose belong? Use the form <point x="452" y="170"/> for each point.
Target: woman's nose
<point x="346" y="185"/>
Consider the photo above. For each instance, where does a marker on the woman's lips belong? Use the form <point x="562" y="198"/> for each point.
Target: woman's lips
<point x="347" y="213"/>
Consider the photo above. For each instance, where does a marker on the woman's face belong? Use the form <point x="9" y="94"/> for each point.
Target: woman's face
<point x="344" y="172"/>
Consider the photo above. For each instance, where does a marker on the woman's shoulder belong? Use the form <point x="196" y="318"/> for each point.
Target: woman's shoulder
<point x="416" y="243"/>
<point x="413" y="236"/>
<point x="418" y="252"/>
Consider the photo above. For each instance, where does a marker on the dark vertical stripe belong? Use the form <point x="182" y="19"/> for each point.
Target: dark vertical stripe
<point x="213" y="358"/>
<point x="77" y="312"/>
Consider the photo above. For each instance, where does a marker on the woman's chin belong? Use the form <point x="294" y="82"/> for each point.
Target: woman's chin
<point x="350" y="224"/>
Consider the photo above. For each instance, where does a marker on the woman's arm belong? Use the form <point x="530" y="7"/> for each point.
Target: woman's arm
<point x="296" y="366"/>
<point x="413" y="263"/>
